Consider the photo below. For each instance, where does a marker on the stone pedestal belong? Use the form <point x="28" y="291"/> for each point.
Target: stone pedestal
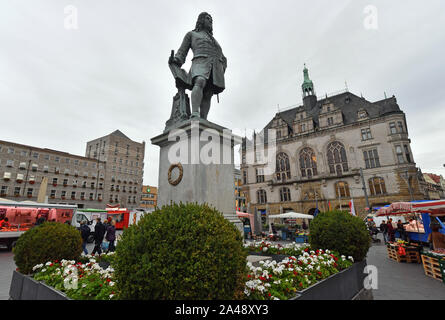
<point x="196" y="164"/>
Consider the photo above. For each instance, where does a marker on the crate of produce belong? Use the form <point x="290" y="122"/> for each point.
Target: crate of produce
<point x="411" y="255"/>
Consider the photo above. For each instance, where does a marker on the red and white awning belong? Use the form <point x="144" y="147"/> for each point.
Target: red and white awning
<point x="400" y="208"/>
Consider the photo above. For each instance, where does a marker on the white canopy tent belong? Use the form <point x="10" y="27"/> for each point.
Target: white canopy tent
<point x="291" y="215"/>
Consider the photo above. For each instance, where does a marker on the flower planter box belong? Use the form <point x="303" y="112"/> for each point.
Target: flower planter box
<point x="24" y="287"/>
<point x="345" y="285"/>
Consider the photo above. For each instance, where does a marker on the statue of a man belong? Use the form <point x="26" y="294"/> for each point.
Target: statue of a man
<point x="208" y="65"/>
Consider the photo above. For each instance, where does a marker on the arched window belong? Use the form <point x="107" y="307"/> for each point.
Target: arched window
<point x="285" y="195"/>
<point x="338" y="163"/>
<point x="283" y="167"/>
<point x="308" y="163"/>
<point x="261" y="196"/>
<point x="342" y="190"/>
<point x="377" y="186"/>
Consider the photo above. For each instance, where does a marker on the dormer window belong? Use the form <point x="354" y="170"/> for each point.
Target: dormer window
<point x="362" y="114"/>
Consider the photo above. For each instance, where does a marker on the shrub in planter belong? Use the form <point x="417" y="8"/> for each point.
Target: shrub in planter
<point x="341" y="232"/>
<point x="47" y="242"/>
<point x="185" y="251"/>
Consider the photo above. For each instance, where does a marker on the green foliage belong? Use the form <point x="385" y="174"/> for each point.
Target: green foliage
<point x="185" y="251"/>
<point x="342" y="232"/>
<point x="47" y="242"/>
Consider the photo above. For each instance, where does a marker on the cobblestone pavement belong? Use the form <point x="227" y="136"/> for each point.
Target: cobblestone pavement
<point x="402" y="281"/>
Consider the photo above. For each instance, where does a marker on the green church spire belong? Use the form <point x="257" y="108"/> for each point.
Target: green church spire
<point x="308" y="85"/>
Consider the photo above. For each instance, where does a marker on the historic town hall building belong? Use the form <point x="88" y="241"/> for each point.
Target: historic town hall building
<point x="322" y="147"/>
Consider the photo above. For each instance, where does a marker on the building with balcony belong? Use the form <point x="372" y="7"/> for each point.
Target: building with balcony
<point x="109" y="174"/>
<point x="71" y="179"/>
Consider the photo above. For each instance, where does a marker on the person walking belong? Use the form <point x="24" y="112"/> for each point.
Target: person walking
<point x="391" y="231"/>
<point x="85" y="233"/>
<point x="384" y="230"/>
<point x="111" y="236"/>
<point x="99" y="233"/>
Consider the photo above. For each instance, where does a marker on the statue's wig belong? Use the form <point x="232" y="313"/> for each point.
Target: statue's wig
<point x="200" y="22"/>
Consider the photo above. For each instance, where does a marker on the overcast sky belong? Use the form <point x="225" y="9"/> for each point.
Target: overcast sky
<point x="60" y="88"/>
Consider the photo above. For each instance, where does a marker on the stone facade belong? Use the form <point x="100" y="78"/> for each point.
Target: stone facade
<point x="321" y="148"/>
<point x="72" y="179"/>
<point x="88" y="182"/>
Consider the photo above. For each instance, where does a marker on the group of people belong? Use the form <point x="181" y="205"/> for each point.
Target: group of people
<point x="106" y="230"/>
<point x="389" y="232"/>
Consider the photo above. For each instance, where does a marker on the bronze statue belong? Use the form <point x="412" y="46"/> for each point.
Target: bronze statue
<point x="206" y="76"/>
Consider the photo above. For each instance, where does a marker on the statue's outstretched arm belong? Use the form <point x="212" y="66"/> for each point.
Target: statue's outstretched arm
<point x="181" y="55"/>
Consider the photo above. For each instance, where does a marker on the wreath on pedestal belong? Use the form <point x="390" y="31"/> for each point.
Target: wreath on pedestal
<point x="179" y="178"/>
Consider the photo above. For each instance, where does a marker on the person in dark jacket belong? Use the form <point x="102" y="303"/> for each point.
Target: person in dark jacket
<point x="99" y="233"/>
<point x="391" y="231"/>
<point x="401" y="230"/>
<point x="384" y="230"/>
<point x="85" y="233"/>
<point x="40" y="220"/>
<point x="111" y="236"/>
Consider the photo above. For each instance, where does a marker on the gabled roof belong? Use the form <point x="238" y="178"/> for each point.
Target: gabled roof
<point x="349" y="104"/>
<point x="119" y="134"/>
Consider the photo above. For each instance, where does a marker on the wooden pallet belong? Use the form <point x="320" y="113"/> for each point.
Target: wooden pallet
<point x="412" y="256"/>
<point x="432" y="267"/>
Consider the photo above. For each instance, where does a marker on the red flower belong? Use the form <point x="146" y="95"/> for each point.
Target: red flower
<point x="295" y="273"/>
<point x="249" y="276"/>
<point x="108" y="280"/>
<point x="300" y="284"/>
<point x="319" y="273"/>
<point x="307" y="250"/>
<point x="269" y="294"/>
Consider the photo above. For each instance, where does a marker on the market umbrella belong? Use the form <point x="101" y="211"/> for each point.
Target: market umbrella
<point x="291" y="215"/>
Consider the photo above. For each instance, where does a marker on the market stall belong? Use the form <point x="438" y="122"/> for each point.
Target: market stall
<point x="419" y="215"/>
<point x="300" y="236"/>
